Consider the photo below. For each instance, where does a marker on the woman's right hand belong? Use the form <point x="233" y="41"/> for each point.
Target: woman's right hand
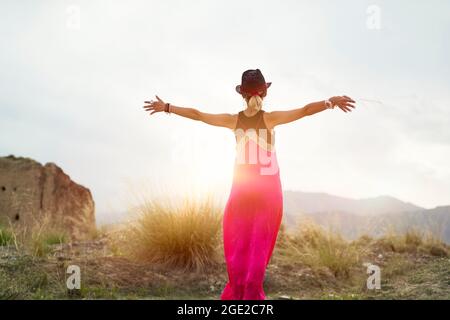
<point x="155" y="106"/>
<point x="343" y="102"/>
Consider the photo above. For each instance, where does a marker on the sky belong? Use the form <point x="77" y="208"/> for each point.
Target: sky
<point x="74" y="75"/>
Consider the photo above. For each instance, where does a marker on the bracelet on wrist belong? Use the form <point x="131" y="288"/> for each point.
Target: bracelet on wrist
<point x="329" y="104"/>
<point x="167" y="108"/>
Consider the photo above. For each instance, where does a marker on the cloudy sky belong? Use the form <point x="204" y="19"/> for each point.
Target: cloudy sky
<point x="74" y="75"/>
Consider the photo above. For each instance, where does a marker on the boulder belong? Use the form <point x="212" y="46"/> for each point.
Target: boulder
<point x="31" y="192"/>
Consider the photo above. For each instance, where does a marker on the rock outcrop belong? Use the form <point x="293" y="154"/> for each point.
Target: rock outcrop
<point x="31" y="192"/>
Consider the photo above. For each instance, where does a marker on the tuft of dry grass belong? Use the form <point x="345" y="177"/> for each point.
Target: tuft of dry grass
<point x="414" y="241"/>
<point x="37" y="237"/>
<point x="317" y="248"/>
<point x="175" y="236"/>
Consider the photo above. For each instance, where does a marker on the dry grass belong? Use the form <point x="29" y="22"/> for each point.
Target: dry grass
<point x="317" y="248"/>
<point x="185" y="236"/>
<point x="311" y="262"/>
<point x="35" y="238"/>
<point x="414" y="241"/>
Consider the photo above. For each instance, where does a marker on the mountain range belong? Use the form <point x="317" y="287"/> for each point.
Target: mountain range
<point x="371" y="216"/>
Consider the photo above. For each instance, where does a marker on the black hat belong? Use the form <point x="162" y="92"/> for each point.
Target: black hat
<point x="252" y="82"/>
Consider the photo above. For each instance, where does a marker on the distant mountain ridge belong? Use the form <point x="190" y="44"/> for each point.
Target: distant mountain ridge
<point x="373" y="216"/>
<point x="310" y="202"/>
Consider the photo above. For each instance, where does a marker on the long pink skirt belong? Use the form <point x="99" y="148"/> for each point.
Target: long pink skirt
<point x="251" y="221"/>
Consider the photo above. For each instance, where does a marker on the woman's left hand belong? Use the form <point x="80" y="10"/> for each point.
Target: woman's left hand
<point x="343" y="102"/>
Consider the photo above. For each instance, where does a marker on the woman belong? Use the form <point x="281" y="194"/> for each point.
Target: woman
<point x="253" y="212"/>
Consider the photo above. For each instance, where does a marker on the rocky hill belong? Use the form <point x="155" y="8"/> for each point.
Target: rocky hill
<point x="30" y="191"/>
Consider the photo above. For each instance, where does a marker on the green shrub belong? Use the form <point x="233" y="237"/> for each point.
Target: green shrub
<point x="6" y="237"/>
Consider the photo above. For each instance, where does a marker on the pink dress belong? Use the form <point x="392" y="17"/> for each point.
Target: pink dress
<point x="253" y="212"/>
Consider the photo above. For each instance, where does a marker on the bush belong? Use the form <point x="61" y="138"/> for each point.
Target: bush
<point x="185" y="236"/>
<point x="317" y="248"/>
<point x="414" y="241"/>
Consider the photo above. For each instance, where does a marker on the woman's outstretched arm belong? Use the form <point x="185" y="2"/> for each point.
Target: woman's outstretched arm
<point x="220" y="120"/>
<point x="275" y="118"/>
